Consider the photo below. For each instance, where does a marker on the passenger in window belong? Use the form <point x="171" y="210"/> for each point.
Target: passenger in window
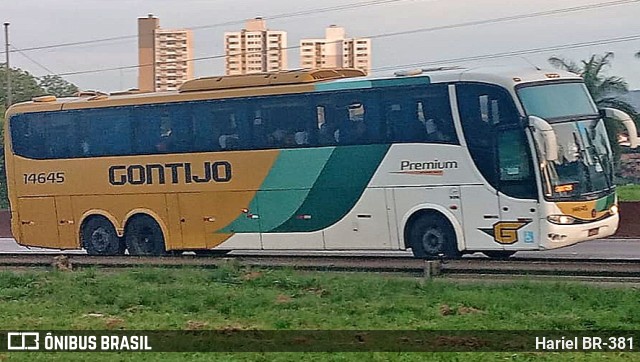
<point x="260" y="138"/>
<point x="230" y="140"/>
<point x="277" y="138"/>
<point x="435" y="131"/>
<point x="165" y="145"/>
<point x="359" y="135"/>
<point x="301" y="138"/>
<point x="84" y="147"/>
<point x="289" y="139"/>
<point x="327" y="134"/>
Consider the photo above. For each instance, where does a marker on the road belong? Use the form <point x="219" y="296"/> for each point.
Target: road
<point x="599" y="249"/>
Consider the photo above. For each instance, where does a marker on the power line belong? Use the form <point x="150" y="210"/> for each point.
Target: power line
<point x="233" y="22"/>
<point x="510" y="18"/>
<point x="451" y="60"/>
<point x="406" y="32"/>
<point x="32" y="60"/>
<point x="348" y="7"/>
<point x="513" y="53"/>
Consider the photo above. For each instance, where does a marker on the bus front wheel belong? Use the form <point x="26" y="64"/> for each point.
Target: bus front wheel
<point x="143" y="236"/>
<point x="99" y="237"/>
<point x="431" y="235"/>
<point x="498" y="254"/>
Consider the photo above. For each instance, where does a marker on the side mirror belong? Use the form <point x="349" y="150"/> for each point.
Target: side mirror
<point x="626" y="121"/>
<point x="545" y="137"/>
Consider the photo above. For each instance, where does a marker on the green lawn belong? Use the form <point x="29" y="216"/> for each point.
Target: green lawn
<point x="628" y="192"/>
<point x="156" y="299"/>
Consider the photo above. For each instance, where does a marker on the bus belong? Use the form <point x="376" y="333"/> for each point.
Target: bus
<point x="442" y="161"/>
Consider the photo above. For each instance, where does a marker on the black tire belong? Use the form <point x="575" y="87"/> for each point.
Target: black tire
<point x="99" y="237"/>
<point x="431" y="235"/>
<point x="498" y="254"/>
<point x="143" y="236"/>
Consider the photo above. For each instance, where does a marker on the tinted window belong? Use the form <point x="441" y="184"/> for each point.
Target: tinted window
<point x="496" y="139"/>
<point x="551" y="101"/>
<point x="349" y="118"/>
<point x="283" y="122"/>
<point x="419" y="115"/>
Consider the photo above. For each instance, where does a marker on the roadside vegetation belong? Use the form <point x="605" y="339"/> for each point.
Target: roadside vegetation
<point x="628" y="192"/>
<point x="238" y="298"/>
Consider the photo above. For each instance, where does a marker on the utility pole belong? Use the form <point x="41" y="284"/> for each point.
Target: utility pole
<point x="6" y="49"/>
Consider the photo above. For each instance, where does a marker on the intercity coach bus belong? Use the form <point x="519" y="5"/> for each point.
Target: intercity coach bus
<point x="440" y="161"/>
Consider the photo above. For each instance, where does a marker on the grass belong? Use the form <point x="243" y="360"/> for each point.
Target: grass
<point x="628" y="192"/>
<point x="156" y="299"/>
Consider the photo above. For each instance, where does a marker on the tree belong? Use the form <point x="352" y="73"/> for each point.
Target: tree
<point x="57" y="86"/>
<point x="24" y="86"/>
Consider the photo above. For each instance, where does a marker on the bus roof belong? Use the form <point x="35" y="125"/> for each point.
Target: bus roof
<point x="291" y="82"/>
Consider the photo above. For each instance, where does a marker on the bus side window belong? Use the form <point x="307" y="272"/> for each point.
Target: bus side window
<point x="259" y="125"/>
<point x="27" y="135"/>
<point x="405" y="122"/>
<point x="181" y="128"/>
<point x="488" y="115"/>
<point x="353" y="124"/>
<point x="230" y="133"/>
<point x="205" y="127"/>
<point x="327" y="125"/>
<point x="433" y="110"/>
<point x="146" y="129"/>
<point x="109" y="131"/>
<point x="166" y="136"/>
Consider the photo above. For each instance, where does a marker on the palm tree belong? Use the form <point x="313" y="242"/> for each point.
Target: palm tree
<point x="605" y="90"/>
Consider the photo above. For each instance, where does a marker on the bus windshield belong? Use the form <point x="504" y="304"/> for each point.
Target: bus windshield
<point x="557" y="101"/>
<point x="582" y="169"/>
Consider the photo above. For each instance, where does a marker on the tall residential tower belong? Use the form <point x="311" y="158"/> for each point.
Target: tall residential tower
<point x="163" y="55"/>
<point x="336" y="51"/>
<point x="255" y="49"/>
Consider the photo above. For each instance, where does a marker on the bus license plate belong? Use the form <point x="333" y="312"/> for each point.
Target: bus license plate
<point x="594" y="231"/>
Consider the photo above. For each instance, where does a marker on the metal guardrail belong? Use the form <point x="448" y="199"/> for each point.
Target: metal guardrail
<point x="587" y="268"/>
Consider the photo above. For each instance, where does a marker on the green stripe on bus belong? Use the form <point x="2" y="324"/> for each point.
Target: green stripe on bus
<point x="338" y="188"/>
<point x="284" y="189"/>
<point x="605" y="203"/>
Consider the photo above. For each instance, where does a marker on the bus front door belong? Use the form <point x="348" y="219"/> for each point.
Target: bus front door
<point x="480" y="214"/>
<point x="518" y="191"/>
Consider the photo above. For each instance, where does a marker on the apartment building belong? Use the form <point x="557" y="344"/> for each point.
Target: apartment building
<point x="255" y="49"/>
<point x="336" y="51"/>
<point x="164" y="56"/>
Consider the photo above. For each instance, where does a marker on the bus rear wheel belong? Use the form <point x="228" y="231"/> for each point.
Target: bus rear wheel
<point x="143" y="236"/>
<point x="431" y="235"/>
<point x="99" y="237"/>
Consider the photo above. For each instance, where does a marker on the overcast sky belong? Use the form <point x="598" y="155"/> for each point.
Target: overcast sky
<point x="37" y="23"/>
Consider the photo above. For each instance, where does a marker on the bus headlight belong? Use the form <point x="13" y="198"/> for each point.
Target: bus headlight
<point x="613" y="210"/>
<point x="561" y="219"/>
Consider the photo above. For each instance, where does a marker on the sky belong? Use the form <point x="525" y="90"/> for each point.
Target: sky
<point x="430" y="33"/>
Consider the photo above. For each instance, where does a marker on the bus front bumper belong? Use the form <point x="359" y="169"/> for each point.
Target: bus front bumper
<point x="558" y="236"/>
